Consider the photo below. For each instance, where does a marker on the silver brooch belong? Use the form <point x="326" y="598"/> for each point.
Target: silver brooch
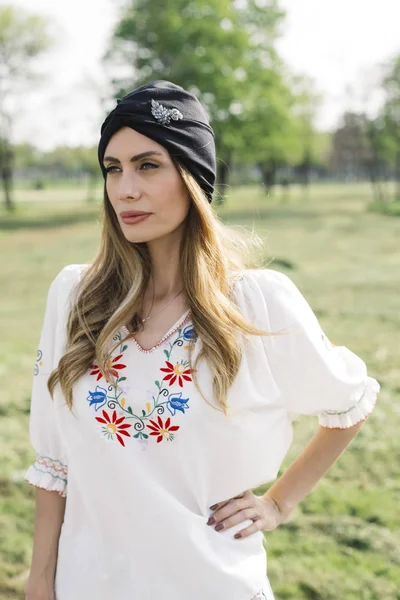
<point x="163" y="114"/>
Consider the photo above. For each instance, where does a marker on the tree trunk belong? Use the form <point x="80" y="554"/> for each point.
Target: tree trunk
<point x="397" y="176"/>
<point x="6" y="172"/>
<point x="268" y="174"/>
<point x="92" y="178"/>
<point x="374" y="177"/>
<point x="373" y="165"/>
<point x="6" y="178"/>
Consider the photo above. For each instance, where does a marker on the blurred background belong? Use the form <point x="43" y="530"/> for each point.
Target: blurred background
<point x="304" y="99"/>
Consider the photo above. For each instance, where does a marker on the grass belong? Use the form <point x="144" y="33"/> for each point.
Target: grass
<point x="343" y="540"/>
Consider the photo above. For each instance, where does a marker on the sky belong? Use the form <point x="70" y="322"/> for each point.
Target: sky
<point x="338" y="43"/>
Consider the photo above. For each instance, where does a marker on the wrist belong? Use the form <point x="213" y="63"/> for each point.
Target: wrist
<point x="39" y="587"/>
<point x="283" y="508"/>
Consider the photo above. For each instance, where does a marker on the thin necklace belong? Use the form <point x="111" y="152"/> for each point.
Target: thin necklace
<point x="157" y="313"/>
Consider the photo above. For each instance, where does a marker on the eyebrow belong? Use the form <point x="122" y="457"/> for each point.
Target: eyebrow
<point x="134" y="158"/>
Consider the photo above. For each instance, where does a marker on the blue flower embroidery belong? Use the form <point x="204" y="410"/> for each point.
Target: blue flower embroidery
<point x="189" y="333"/>
<point x="176" y="402"/>
<point x="98" y="398"/>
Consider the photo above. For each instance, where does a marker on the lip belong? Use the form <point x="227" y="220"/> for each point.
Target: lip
<point x="133" y="213"/>
<point x="131" y="219"/>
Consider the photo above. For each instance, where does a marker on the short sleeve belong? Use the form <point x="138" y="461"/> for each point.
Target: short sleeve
<point x="316" y="377"/>
<point x="50" y="469"/>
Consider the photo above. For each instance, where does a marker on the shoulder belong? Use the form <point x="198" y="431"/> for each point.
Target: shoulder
<point x="69" y="275"/>
<point x="262" y="284"/>
<point x="269" y="297"/>
<point x="65" y="282"/>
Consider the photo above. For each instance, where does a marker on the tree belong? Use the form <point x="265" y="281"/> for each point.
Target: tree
<point x="358" y="151"/>
<point x="89" y="165"/>
<point x="23" y="37"/>
<point x="391" y="116"/>
<point x="222" y="51"/>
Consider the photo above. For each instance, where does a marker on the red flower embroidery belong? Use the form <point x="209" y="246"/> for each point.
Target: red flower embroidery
<point x="162" y="431"/>
<point x="177" y="372"/>
<point x="111" y="368"/>
<point x="114" y="427"/>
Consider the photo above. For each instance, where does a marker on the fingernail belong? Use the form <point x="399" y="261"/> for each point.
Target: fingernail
<point x="210" y="521"/>
<point x="213" y="507"/>
<point x="219" y="526"/>
<point x="237" y="535"/>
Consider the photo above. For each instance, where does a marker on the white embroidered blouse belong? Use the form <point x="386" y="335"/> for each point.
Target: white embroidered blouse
<point x="144" y="462"/>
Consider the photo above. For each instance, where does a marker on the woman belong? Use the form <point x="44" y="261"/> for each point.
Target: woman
<point x="180" y="372"/>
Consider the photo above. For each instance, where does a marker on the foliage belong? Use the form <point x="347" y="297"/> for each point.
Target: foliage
<point x="225" y="53"/>
<point x="23" y="37"/>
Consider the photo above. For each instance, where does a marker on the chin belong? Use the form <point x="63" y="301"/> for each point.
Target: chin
<point x="139" y="237"/>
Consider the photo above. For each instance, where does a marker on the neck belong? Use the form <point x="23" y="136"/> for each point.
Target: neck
<point x="166" y="271"/>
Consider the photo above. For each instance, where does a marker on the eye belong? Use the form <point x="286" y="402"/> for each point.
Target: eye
<point x="149" y="163"/>
<point x="109" y="169"/>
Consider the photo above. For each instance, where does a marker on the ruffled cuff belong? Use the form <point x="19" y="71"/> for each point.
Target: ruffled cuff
<point x="48" y="474"/>
<point x="356" y="413"/>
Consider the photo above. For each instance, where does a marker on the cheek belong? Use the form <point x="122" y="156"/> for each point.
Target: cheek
<point x="177" y="198"/>
<point x="175" y="205"/>
<point x="111" y="192"/>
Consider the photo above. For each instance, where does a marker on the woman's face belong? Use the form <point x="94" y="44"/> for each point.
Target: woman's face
<point x="151" y="184"/>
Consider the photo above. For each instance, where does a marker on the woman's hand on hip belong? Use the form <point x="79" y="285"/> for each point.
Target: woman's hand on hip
<point x="261" y="509"/>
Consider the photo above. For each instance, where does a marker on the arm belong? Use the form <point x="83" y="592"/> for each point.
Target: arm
<point x="49" y="472"/>
<point x="303" y="474"/>
<point x="49" y="515"/>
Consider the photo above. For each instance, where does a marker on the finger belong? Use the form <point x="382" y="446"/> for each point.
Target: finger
<point x="248" y="531"/>
<point x="225" y="502"/>
<point x="226" y="510"/>
<point x="219" y="505"/>
<point x="235" y="517"/>
<point x="241" y="495"/>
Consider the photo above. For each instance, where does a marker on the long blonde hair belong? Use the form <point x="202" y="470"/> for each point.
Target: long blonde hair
<point x="110" y="291"/>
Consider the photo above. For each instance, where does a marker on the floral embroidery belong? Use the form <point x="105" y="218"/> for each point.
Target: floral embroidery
<point x="38" y="363"/>
<point x="149" y="421"/>
<point x="178" y="372"/>
<point x="176" y="402"/>
<point x="114" y="426"/>
<point x="98" y="398"/>
<point x="234" y="278"/>
<point x="162" y="431"/>
<point x="189" y="335"/>
<point x="237" y="277"/>
<point x="112" y="368"/>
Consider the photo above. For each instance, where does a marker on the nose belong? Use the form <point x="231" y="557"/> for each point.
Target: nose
<point x="129" y="186"/>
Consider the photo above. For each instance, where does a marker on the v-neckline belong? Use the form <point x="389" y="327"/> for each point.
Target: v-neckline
<point x="182" y="319"/>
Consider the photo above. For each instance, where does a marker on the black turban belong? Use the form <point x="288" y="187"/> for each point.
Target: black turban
<point x="168" y="114"/>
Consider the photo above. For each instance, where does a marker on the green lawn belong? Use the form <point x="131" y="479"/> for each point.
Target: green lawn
<point x="343" y="540"/>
